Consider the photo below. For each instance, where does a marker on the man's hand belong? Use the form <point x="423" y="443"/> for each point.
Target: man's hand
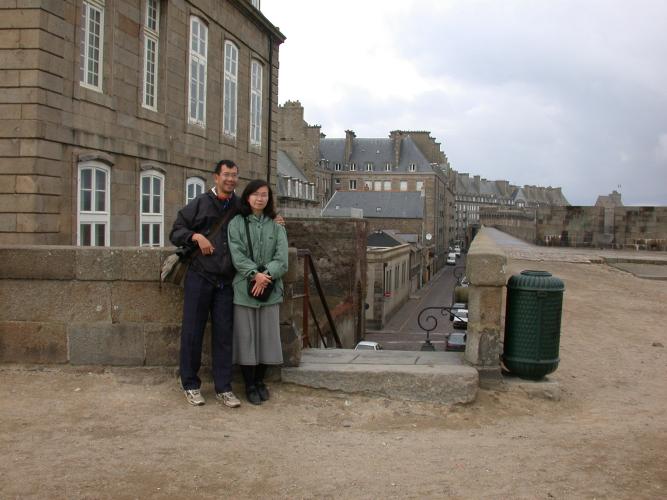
<point x="204" y="245"/>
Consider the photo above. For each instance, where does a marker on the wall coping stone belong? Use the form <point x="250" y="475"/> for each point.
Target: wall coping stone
<point x="486" y="263"/>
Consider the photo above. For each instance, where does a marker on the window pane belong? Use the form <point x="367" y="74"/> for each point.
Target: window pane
<point x="156" y="234"/>
<point x="145" y="203"/>
<point x="86" y="179"/>
<point x="156" y="203"/>
<point x="145" y="234"/>
<point x="86" y="201"/>
<point x="84" y="235"/>
<point x="99" y="235"/>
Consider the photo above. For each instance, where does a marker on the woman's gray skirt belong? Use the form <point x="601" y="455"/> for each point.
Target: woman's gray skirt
<point x="257" y="335"/>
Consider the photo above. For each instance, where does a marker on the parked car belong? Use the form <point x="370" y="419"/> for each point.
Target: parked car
<point x="455" y="307"/>
<point x="451" y="259"/>
<point x="461" y="319"/>
<point x="368" y="345"/>
<point x="457" y="251"/>
<point x="456" y="342"/>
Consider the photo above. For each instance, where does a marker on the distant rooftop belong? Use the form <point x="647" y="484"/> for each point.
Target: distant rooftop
<point x="377" y="204"/>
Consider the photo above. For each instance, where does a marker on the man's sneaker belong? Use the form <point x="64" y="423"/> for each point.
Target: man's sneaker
<point x="194" y="397"/>
<point x="228" y="399"/>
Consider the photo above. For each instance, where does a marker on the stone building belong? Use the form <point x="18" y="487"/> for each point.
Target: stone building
<point x="405" y="162"/>
<point x="114" y="113"/>
<point x="474" y="194"/>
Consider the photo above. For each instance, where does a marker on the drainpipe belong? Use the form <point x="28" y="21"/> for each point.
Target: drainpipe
<point x="268" y="155"/>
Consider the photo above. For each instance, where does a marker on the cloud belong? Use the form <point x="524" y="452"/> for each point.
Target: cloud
<point x="566" y="93"/>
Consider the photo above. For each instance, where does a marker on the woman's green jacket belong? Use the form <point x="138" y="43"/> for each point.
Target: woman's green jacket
<point x="269" y="247"/>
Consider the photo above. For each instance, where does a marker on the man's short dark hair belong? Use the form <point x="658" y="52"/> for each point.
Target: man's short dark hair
<point x="225" y="163"/>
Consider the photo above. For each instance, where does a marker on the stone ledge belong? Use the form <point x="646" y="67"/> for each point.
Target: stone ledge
<point x="486" y="262"/>
<point x="447" y="384"/>
<point x="542" y="389"/>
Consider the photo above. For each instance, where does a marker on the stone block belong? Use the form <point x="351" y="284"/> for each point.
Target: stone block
<point x="7" y="223"/>
<point x="146" y="302"/>
<point x="54" y="301"/>
<point x="38" y="223"/>
<point x="485" y="307"/>
<point x="7" y="184"/>
<point x="106" y="344"/>
<point x="38" y="184"/>
<point x="141" y="264"/>
<point x="37" y="263"/>
<point x="162" y="343"/>
<point x="32" y="342"/>
<point x="483" y="348"/>
<point x="290" y="339"/>
<point x="98" y="264"/>
<point x="9" y="78"/>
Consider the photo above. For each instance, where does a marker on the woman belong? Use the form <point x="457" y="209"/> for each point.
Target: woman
<point x="264" y="261"/>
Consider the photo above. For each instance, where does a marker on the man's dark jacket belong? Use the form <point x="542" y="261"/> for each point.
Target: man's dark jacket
<point x="199" y="216"/>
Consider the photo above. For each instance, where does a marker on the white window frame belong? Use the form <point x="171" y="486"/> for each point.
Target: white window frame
<point x="151" y="217"/>
<point x="151" y="58"/>
<point x="377" y="186"/>
<point x="403" y="186"/>
<point x="198" y="187"/>
<point x="353" y="184"/>
<point x="369" y="167"/>
<point x="420" y="185"/>
<point x="198" y="49"/>
<point x="337" y="167"/>
<point x="386" y="186"/>
<point x="387" y="167"/>
<point x="94" y="217"/>
<point x="230" y="89"/>
<point x="86" y="76"/>
<point x="256" y="70"/>
<point x="412" y="167"/>
<point x="353" y="167"/>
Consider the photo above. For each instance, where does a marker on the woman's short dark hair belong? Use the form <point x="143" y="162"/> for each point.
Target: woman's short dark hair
<point x="253" y="186"/>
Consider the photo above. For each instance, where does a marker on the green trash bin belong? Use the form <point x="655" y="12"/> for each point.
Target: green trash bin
<point x="532" y="324"/>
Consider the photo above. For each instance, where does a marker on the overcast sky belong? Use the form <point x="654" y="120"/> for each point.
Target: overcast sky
<point x="547" y="92"/>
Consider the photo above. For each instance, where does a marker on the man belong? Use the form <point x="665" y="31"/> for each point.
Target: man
<point x="208" y="285"/>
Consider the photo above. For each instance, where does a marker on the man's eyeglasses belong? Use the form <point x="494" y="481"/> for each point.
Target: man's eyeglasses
<point x="229" y="176"/>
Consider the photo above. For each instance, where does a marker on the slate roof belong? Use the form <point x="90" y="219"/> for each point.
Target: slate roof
<point x="287" y="168"/>
<point x="377" y="151"/>
<point x="391" y="204"/>
<point x="383" y="239"/>
<point x="469" y="186"/>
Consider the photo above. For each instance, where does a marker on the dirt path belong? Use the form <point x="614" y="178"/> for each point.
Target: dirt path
<point x="68" y="433"/>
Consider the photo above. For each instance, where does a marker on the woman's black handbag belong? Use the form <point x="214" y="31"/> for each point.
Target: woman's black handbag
<point x="266" y="293"/>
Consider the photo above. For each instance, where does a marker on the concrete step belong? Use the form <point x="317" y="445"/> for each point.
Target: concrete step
<point x="439" y="377"/>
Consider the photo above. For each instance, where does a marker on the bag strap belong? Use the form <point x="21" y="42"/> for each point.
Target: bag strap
<point x="247" y="232"/>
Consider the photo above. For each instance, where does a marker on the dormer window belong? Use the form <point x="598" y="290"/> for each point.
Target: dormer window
<point x="412" y="167"/>
<point x="353" y="167"/>
<point x="387" y="167"/>
<point x="369" y="167"/>
<point x="337" y="167"/>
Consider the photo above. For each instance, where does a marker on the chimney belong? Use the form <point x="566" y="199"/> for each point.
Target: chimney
<point x="396" y="137"/>
<point x="476" y="182"/>
<point x="349" y="139"/>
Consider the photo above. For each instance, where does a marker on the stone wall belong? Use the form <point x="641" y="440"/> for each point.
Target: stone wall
<point x="63" y="304"/>
<point x="49" y="122"/>
<point x="338" y="249"/>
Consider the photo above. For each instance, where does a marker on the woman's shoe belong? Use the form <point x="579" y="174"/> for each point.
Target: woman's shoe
<point x="263" y="391"/>
<point x="252" y="395"/>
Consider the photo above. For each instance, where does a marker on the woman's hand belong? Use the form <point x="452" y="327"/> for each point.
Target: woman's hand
<point x="262" y="280"/>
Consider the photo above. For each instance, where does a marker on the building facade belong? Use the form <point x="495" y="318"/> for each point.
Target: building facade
<point x="116" y="111"/>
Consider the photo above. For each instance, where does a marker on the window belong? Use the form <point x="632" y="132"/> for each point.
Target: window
<point x="403" y="273"/>
<point x="337" y="167"/>
<point x="369" y="167"/>
<point x="92" y="44"/>
<point x="353" y="167"/>
<point x="152" y="209"/>
<point x="368" y="185"/>
<point x="378" y="209"/>
<point x="337" y="181"/>
<point x="93" y="205"/>
<point x="197" y="91"/>
<point x="353" y="185"/>
<point x="377" y="186"/>
<point x="255" y="3"/>
<point x="387" y="185"/>
<point x="151" y="34"/>
<point x="387" y="167"/>
<point x="387" y="281"/>
<point x="420" y="185"/>
<point x="255" y="103"/>
<point x="194" y="186"/>
<point x="230" y="89"/>
<point x="396" y="277"/>
<point x="404" y="185"/>
<point x="412" y="167"/>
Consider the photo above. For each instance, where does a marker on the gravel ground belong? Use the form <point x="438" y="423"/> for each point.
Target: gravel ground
<point x="128" y="433"/>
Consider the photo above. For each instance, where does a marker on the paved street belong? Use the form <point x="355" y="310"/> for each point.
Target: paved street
<point x="402" y="332"/>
